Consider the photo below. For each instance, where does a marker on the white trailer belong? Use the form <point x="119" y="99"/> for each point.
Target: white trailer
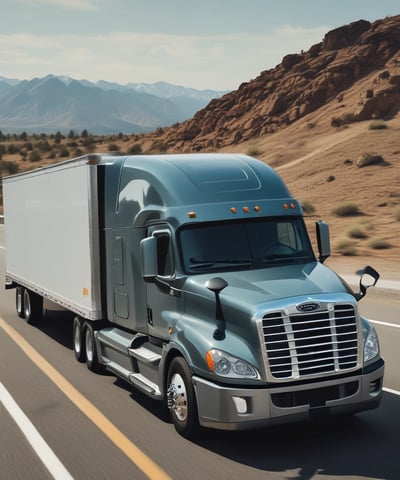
<point x="52" y="237"/>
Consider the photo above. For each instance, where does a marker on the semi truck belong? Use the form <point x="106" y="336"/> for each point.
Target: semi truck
<point x="193" y="278"/>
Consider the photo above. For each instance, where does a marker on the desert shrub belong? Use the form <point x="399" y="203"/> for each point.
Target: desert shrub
<point x="379" y="244"/>
<point x="397" y="214"/>
<point x="12" y="149"/>
<point x="357" y="232"/>
<point x="10" y="166"/>
<point x="113" y="147"/>
<point x="331" y="178"/>
<point x="34" y="156"/>
<point x="253" y="152"/>
<point x="367" y="159"/>
<point x="311" y="125"/>
<point x="346" y="209"/>
<point x="64" y="152"/>
<point x="159" y="146"/>
<point x="135" y="149"/>
<point x="377" y="125"/>
<point x="346" y="247"/>
<point x="307" y="207"/>
<point x="43" y="146"/>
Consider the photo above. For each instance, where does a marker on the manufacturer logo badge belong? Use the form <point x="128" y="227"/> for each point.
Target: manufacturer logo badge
<point x="308" y="307"/>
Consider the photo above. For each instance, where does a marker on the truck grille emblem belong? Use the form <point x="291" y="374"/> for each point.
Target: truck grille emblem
<point x="308" y="307"/>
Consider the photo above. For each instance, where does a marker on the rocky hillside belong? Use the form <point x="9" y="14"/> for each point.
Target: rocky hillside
<point x="359" y="54"/>
<point x="318" y="117"/>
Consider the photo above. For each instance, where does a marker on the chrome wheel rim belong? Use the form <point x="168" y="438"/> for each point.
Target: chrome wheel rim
<point x="89" y="346"/>
<point x="178" y="397"/>
<point x="77" y="339"/>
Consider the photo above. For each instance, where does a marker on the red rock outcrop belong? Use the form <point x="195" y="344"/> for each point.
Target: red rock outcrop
<point x="361" y="52"/>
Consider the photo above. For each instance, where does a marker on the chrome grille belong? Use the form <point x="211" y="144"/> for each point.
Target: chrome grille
<point x="311" y="343"/>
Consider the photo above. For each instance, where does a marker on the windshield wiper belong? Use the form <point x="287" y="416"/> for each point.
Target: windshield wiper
<point x="198" y="264"/>
<point x="288" y="259"/>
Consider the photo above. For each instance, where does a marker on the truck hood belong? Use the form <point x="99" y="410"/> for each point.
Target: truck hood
<point x="253" y="287"/>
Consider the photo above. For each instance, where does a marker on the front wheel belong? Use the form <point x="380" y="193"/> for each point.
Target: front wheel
<point x="181" y="398"/>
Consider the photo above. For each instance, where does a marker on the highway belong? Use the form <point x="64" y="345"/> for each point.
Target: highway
<point x="59" y="420"/>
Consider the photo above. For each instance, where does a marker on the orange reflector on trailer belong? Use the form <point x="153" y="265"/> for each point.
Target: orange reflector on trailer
<point x="192" y="214"/>
<point x="233" y="209"/>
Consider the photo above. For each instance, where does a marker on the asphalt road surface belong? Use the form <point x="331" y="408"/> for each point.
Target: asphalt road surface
<point x="59" y="420"/>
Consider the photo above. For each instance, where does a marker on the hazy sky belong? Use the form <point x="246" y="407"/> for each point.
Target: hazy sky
<point x="216" y="44"/>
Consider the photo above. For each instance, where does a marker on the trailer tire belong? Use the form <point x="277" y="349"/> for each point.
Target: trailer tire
<point x="33" y="307"/>
<point x="78" y="339"/>
<point x="92" y="359"/>
<point x="19" y="301"/>
<point x="182" y="399"/>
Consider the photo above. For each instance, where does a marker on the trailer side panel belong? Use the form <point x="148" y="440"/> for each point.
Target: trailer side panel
<point x="52" y="235"/>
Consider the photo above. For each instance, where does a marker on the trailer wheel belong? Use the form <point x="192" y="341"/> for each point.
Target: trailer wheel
<point x="19" y="301"/>
<point x="33" y="307"/>
<point x="92" y="359"/>
<point x="78" y="340"/>
<point x="181" y="398"/>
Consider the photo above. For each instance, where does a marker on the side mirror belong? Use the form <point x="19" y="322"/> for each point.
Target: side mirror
<point x="368" y="278"/>
<point x="324" y="245"/>
<point x="216" y="285"/>
<point x="148" y="251"/>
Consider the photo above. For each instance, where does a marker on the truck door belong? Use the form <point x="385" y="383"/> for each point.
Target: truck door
<point x="161" y="296"/>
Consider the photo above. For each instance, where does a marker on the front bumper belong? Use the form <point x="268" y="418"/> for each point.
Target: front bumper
<point x="232" y="408"/>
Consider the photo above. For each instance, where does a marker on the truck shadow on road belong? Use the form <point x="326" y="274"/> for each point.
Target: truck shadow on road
<point x="365" y="445"/>
<point x="57" y="324"/>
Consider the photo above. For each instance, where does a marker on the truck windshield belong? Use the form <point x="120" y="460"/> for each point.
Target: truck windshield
<point x="244" y="244"/>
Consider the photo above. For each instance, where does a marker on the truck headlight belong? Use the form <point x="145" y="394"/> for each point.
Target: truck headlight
<point x="225" y="365"/>
<point x="371" y="345"/>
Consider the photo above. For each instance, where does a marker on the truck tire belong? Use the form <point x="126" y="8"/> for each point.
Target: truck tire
<point x="78" y="339"/>
<point x="92" y="359"/>
<point x="19" y="301"/>
<point x="181" y="399"/>
<point x="33" y="307"/>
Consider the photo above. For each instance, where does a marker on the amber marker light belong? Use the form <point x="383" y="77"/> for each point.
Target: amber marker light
<point x="285" y="206"/>
<point x="246" y="209"/>
<point x="257" y="208"/>
<point x="292" y="205"/>
<point x="233" y="210"/>
<point x="210" y="361"/>
<point x="192" y="215"/>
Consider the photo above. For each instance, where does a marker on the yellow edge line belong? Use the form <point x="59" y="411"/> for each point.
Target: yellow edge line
<point x="140" y="459"/>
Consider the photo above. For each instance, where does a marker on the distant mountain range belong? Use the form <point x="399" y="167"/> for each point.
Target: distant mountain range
<point x="57" y="103"/>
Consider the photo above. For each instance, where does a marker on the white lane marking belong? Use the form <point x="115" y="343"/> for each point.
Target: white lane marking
<point x="390" y="390"/>
<point x="43" y="451"/>
<point x="385" y="324"/>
